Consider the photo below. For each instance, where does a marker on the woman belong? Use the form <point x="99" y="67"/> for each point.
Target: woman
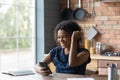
<point x="69" y="57"/>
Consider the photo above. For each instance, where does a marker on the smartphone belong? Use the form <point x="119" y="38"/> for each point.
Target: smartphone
<point x="44" y="64"/>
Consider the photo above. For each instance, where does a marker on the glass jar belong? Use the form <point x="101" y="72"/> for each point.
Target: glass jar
<point x="98" y="47"/>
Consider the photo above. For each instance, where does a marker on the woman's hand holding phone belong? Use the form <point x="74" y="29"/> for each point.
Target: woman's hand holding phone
<point x="44" y="68"/>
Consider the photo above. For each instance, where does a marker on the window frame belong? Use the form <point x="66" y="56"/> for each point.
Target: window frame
<point x="39" y="30"/>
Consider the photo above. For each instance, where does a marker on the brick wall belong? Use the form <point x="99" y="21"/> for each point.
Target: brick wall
<point x="107" y="19"/>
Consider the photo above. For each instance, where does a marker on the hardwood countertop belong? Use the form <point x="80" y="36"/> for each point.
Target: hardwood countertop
<point x="98" y="57"/>
<point x="56" y="76"/>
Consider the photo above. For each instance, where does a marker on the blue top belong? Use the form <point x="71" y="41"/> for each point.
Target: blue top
<point x="60" y="60"/>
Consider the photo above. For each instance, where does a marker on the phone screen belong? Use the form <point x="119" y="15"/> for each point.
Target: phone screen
<point x="44" y="64"/>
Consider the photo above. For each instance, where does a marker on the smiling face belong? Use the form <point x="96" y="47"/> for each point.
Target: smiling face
<point x="64" y="39"/>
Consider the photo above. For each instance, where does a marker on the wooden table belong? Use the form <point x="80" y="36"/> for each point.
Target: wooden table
<point x="56" y="76"/>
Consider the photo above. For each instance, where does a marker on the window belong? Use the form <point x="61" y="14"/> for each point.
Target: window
<point x="17" y="34"/>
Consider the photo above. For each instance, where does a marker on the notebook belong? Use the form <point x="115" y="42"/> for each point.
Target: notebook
<point x="80" y="79"/>
<point x="19" y="72"/>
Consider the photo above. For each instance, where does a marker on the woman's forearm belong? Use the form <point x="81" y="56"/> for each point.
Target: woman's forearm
<point x="73" y="53"/>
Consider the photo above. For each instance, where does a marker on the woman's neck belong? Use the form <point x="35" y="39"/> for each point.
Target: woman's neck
<point x="66" y="50"/>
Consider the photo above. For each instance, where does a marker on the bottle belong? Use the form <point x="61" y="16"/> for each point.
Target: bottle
<point x="87" y="44"/>
<point x="112" y="72"/>
<point x="92" y="50"/>
<point x="92" y="47"/>
<point x="98" y="47"/>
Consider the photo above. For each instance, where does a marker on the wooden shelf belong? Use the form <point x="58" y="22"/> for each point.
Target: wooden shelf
<point x="110" y="0"/>
<point x="101" y="57"/>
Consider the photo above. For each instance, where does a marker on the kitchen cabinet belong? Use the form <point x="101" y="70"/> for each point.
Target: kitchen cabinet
<point x="92" y="65"/>
<point x="100" y="63"/>
<point x="103" y="66"/>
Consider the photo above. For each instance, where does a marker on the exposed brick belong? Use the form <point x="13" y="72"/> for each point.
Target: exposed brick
<point x="74" y="1"/>
<point x="114" y="8"/>
<point x="109" y="36"/>
<point x="98" y="22"/>
<point x="116" y="27"/>
<point x="108" y="13"/>
<point x="117" y="13"/>
<point x="108" y="31"/>
<point x="104" y="40"/>
<point x="118" y="4"/>
<point x="117" y="32"/>
<point x="110" y="22"/>
<point x="98" y="13"/>
<point x="75" y="5"/>
<point x="105" y="18"/>
<point x="118" y="47"/>
<point x="114" y="18"/>
<point x="118" y="22"/>
<point x="117" y="36"/>
<point x="118" y="41"/>
<point x="108" y="4"/>
<point x="98" y="9"/>
<point x="97" y="4"/>
<point x="104" y="27"/>
<point x="113" y="41"/>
